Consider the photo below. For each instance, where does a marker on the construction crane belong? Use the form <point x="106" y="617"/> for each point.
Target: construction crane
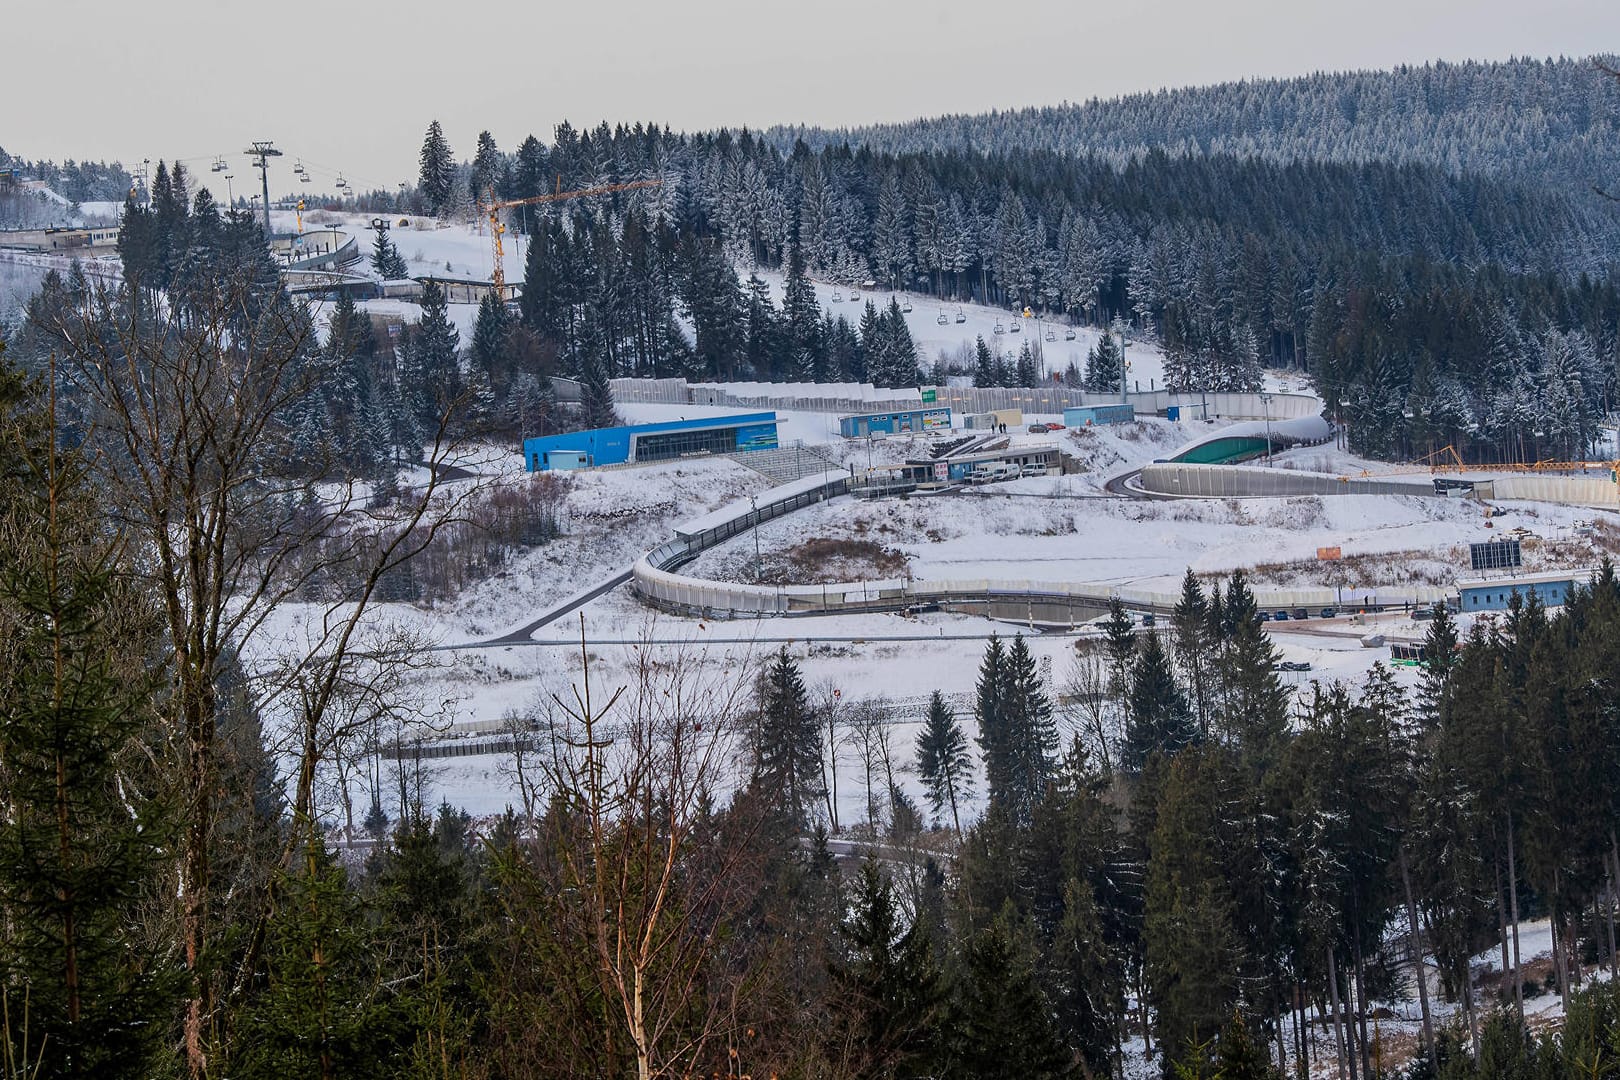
<point x="1447" y="460"/>
<point x="496" y="229"/>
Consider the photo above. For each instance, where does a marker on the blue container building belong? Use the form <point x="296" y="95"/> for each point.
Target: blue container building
<point x="902" y="422"/>
<point x="651" y="442"/>
<point x="1494" y="594"/>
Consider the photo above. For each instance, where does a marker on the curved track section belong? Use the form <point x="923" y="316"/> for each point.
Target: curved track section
<point x="1033" y="602"/>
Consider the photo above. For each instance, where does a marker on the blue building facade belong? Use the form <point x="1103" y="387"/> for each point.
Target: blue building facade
<point x="902" y="422"/>
<point x="651" y="442"/>
<point x="1495" y="593"/>
<point x="1091" y="415"/>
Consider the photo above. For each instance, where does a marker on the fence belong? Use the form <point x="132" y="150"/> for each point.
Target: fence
<point x="969" y="399"/>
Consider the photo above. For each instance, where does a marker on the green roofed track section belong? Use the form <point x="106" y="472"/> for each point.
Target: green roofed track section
<point x="1224" y="451"/>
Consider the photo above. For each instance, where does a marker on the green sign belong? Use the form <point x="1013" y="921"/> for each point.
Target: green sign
<point x="929" y="395"/>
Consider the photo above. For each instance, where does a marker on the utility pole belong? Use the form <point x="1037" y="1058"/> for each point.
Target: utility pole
<point x="264" y="151"/>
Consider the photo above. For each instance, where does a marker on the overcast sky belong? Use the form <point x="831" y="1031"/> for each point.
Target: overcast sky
<point x="350" y="85"/>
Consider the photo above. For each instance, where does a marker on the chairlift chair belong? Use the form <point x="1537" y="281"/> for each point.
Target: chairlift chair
<point x="218" y="166"/>
<point x="838" y="296"/>
<point x="961" y="316"/>
<point x="1015" y="328"/>
<point x="1051" y="335"/>
<point x="854" y="294"/>
<point x="1068" y="335"/>
<point x="999" y="328"/>
<point x="942" y="320"/>
<point x="906" y="307"/>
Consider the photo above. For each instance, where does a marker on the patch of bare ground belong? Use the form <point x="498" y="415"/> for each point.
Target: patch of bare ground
<point x="826" y="559"/>
<point x="1359" y="571"/>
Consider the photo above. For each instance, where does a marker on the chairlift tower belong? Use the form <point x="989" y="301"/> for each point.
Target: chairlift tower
<point x="264" y="151"/>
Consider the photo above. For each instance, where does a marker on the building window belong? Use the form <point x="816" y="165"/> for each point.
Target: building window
<point x="674" y="444"/>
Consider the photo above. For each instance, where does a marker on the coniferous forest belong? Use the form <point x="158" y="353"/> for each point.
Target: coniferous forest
<point x="1163" y="859"/>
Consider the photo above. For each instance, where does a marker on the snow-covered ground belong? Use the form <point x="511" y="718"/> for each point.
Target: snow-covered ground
<point x="933" y="338"/>
<point x="463" y="250"/>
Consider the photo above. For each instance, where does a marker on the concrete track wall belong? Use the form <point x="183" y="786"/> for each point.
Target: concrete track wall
<point x="1570" y="490"/>
<point x="1242" y="482"/>
<point x="1247" y="482"/>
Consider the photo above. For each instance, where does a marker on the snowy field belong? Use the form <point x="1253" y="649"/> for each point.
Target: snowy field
<point x="1029" y="530"/>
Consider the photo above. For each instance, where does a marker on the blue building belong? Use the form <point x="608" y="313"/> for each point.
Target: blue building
<point x="903" y="422"/>
<point x="1493" y="594"/>
<point x="1092" y="415"/>
<point x="651" y="442"/>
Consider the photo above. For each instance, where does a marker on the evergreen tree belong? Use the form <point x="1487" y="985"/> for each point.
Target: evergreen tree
<point x="596" y="409"/>
<point x="435" y="370"/>
<point x="83" y="839"/>
<point x="886" y="985"/>
<point x="1189" y="632"/>
<point x="1105" y="367"/>
<point x="943" y="760"/>
<point x="488" y="350"/>
<point x="437" y="172"/>
<point x="1002" y="1020"/>
<point x="787" y="748"/>
<point x="386" y="260"/>
<point x="485" y="175"/>
<point x="1158" y="720"/>
<point x="1027" y="376"/>
<point x="996" y="739"/>
<point x="1032" y="730"/>
<point x="984" y="370"/>
<point x="801" y="317"/>
<point x="1191" y="951"/>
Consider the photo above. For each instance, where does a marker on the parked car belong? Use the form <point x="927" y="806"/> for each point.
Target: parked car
<point x="1037" y="429"/>
<point x="1295" y="665"/>
<point x="1262" y="616"/>
<point x="1054" y="427"/>
<point x="1328" y="613"/>
<point x="1281" y="616"/>
<point x="1148" y="618"/>
<point x="1034" y="469"/>
<point x="1301" y="614"/>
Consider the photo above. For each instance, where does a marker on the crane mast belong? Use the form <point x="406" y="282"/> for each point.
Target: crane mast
<point x="497" y="229"/>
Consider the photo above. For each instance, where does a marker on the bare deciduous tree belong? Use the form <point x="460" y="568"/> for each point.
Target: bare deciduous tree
<point x="188" y="410"/>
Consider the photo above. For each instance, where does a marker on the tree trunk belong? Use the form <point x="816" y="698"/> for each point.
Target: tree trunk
<point x="1614" y="883"/>
<point x="1513" y="897"/>
<point x="1361" y="1008"/>
<point x="1417" y="958"/>
<point x="1338" y="1016"/>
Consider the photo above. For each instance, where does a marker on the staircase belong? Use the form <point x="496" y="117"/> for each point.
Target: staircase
<point x="787" y="463"/>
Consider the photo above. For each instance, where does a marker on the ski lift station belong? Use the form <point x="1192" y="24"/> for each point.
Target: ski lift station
<point x="651" y="442"/>
<point x="905" y="422"/>
<point x="1494" y="594"/>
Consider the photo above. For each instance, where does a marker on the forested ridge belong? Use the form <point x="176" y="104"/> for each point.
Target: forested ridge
<point x="1549" y="122"/>
<point x="1433" y="300"/>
